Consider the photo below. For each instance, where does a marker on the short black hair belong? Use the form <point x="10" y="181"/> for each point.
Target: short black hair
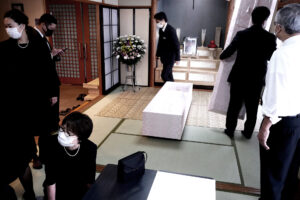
<point x="79" y="124"/>
<point x="18" y="16"/>
<point x="161" y="16"/>
<point x="260" y="14"/>
<point x="47" y="19"/>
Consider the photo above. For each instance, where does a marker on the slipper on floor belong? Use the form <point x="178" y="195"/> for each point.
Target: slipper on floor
<point x="81" y="97"/>
<point x="65" y="112"/>
<point x="74" y="107"/>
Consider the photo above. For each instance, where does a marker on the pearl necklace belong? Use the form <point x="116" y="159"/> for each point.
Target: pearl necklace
<point x="23" y="47"/>
<point x="71" y="154"/>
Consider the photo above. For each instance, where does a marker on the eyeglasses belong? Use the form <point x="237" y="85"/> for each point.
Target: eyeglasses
<point x="63" y="129"/>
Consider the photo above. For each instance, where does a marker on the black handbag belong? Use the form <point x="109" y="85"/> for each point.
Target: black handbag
<point x="132" y="167"/>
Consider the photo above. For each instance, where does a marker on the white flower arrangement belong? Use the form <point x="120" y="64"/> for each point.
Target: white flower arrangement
<point x="129" y="49"/>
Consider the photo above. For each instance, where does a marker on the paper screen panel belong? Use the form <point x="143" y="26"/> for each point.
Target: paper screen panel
<point x="64" y="36"/>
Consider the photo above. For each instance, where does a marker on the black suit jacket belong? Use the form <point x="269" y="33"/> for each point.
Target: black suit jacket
<point x="168" y="48"/>
<point x="254" y="47"/>
<point x="52" y="76"/>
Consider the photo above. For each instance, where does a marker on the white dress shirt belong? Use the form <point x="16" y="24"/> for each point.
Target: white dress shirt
<point x="42" y="37"/>
<point x="165" y="26"/>
<point x="282" y="92"/>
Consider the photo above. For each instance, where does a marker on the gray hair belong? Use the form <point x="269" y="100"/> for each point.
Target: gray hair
<point x="289" y="18"/>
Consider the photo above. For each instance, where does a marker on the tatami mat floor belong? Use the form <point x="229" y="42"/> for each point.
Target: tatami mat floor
<point x="216" y="155"/>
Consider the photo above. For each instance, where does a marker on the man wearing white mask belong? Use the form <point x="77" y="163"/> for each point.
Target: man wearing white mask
<point x="45" y="28"/>
<point x="279" y="135"/>
<point x="168" y="48"/>
<point x="71" y="165"/>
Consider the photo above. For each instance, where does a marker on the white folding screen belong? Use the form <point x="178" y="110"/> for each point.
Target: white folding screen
<point x="136" y="22"/>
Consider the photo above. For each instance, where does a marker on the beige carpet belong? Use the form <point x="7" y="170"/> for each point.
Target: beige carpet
<point x="130" y="105"/>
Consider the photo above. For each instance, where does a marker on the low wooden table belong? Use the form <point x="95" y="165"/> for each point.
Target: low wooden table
<point x="165" y="116"/>
<point x="152" y="185"/>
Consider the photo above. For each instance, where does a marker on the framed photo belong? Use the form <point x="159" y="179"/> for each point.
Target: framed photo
<point x="18" y="6"/>
<point x="190" y="46"/>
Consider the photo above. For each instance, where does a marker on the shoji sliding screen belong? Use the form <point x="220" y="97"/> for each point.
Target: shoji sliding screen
<point x="110" y="31"/>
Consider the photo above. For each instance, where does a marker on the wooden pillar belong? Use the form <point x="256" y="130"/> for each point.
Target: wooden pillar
<point x="99" y="59"/>
<point x="152" y="42"/>
<point x="229" y="15"/>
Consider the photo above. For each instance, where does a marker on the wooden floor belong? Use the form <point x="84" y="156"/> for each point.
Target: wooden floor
<point x="68" y="95"/>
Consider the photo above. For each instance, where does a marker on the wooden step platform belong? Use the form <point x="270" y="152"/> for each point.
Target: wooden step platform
<point x="93" y="89"/>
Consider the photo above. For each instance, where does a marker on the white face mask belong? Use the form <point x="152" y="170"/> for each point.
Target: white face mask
<point x="64" y="140"/>
<point x="14" y="33"/>
<point x="159" y="25"/>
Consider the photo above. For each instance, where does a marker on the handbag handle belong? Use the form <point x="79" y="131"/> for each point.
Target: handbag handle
<point x="145" y="155"/>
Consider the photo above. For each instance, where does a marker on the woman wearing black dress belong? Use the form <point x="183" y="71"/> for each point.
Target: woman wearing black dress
<point x="24" y="104"/>
<point x="71" y="167"/>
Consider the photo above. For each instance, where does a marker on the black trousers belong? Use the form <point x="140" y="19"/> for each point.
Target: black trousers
<point x="53" y="125"/>
<point x="7" y="192"/>
<point x="280" y="164"/>
<point x="167" y="74"/>
<point x="243" y="94"/>
<point x="54" y="113"/>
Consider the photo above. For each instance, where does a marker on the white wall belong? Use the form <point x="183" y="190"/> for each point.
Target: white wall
<point x="126" y="28"/>
<point x="134" y="2"/>
<point x="112" y="2"/>
<point x="99" y="1"/>
<point x="142" y="30"/>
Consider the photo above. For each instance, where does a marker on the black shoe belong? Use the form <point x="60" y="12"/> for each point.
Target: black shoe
<point x="247" y="135"/>
<point x="81" y="97"/>
<point x="65" y="112"/>
<point x="74" y="107"/>
<point x="36" y="163"/>
<point x="229" y="133"/>
<point x="29" y="196"/>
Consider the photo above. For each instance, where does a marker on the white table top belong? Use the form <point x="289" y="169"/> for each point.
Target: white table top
<point x="178" y="187"/>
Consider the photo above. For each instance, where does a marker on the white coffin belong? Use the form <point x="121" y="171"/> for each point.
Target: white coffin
<point x="165" y="116"/>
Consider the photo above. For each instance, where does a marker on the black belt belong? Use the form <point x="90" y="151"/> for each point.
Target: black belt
<point x="296" y="116"/>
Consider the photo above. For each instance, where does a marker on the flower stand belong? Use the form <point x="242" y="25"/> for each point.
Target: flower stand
<point x="130" y="77"/>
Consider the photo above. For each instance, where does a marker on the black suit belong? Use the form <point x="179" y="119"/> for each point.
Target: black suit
<point x="52" y="78"/>
<point x="254" y="47"/>
<point x="168" y="49"/>
<point x="53" y="90"/>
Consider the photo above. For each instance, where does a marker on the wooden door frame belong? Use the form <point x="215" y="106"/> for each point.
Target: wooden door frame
<point x="152" y="42"/>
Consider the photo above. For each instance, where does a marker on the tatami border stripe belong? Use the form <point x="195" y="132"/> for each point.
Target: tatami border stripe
<point x="238" y="162"/>
<point x="227" y="145"/>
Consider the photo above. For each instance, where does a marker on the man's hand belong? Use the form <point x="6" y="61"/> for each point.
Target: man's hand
<point x="53" y="100"/>
<point x="56" y="52"/>
<point x="264" y="132"/>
